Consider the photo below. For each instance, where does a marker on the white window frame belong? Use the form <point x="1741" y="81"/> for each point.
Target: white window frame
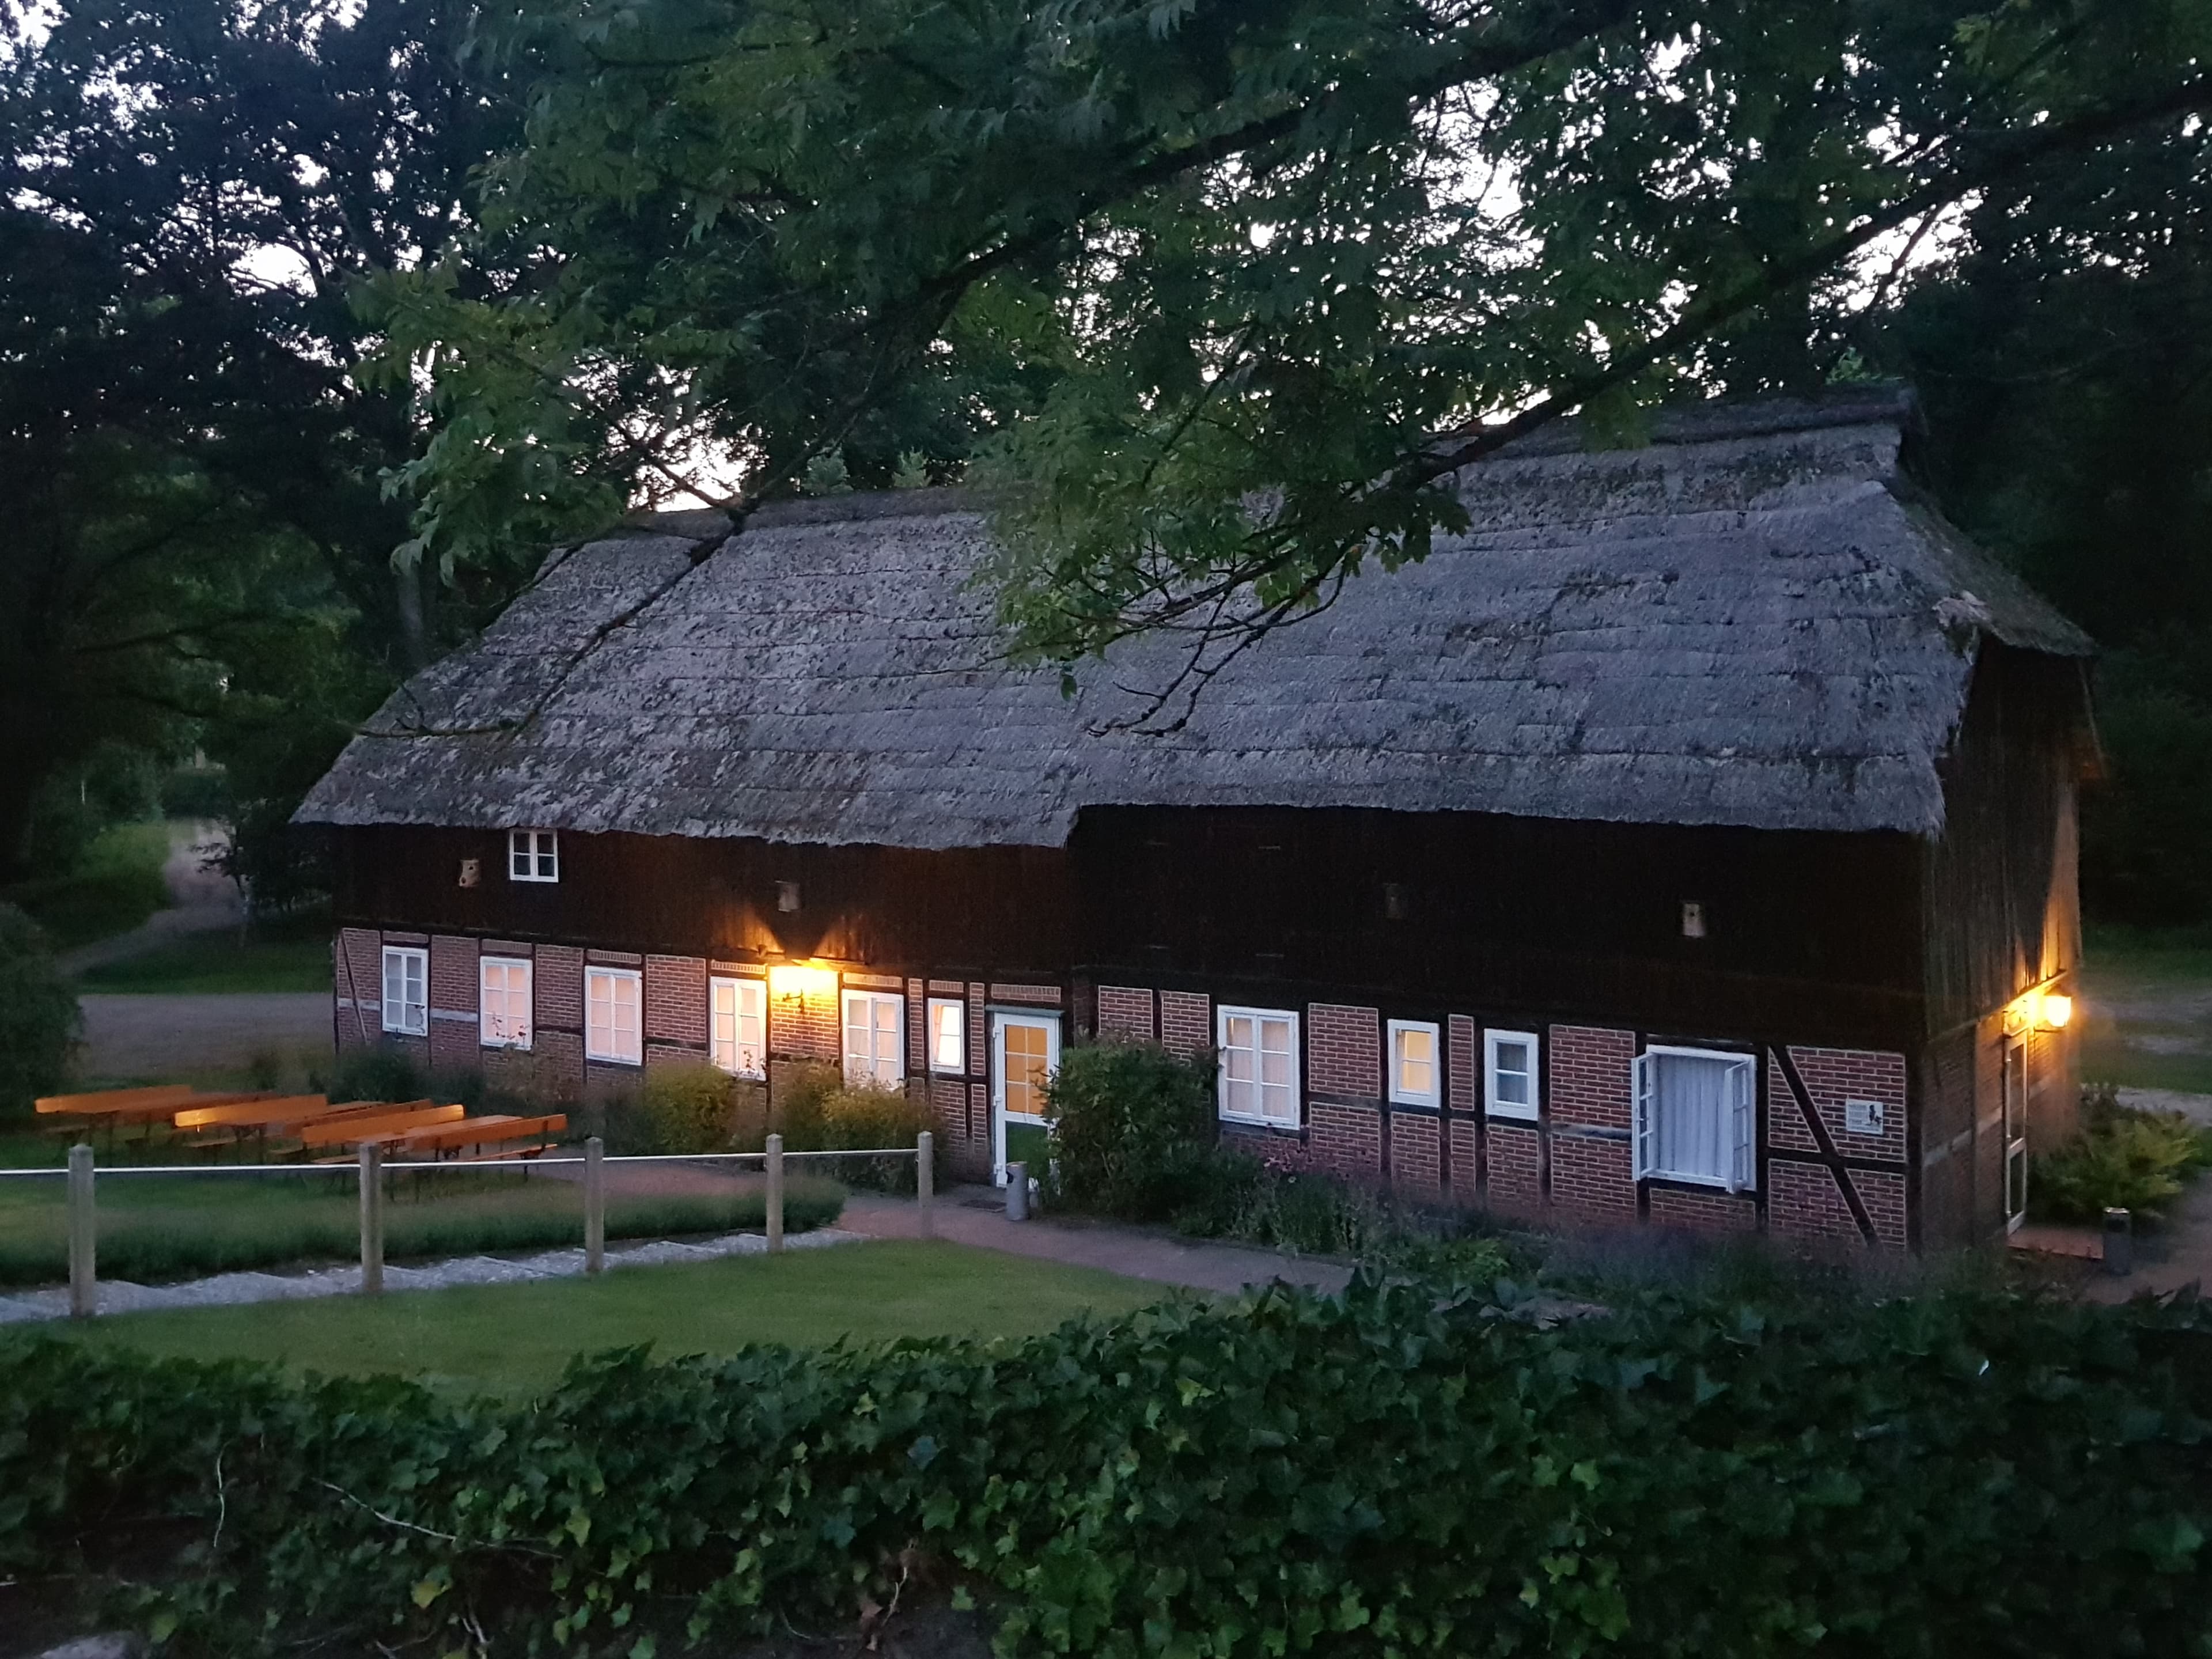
<point x="958" y="1010"/>
<point x="1222" y="1017"/>
<point x="744" y="1051"/>
<point x="404" y="1017"/>
<point x="1491" y="1042"/>
<point x="1401" y="1096"/>
<point x="599" y="1040"/>
<point x="885" y="1068"/>
<point x="535" y="849"/>
<point x="487" y="1036"/>
<point x="1742" y="1137"/>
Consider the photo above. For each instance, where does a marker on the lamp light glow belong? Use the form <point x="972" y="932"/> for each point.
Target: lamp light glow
<point x="2055" y="1010"/>
<point x="798" y="981"/>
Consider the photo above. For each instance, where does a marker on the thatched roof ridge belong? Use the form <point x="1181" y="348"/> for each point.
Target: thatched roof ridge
<point x="1750" y="620"/>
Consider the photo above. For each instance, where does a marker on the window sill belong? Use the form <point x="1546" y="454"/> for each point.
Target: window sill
<point x="507" y="1048"/>
<point x="1512" y="1115"/>
<point x="1288" y="1124"/>
<point x="1419" y="1103"/>
<point x="1709" y="1183"/>
<point x="406" y="1031"/>
<point x="611" y="1060"/>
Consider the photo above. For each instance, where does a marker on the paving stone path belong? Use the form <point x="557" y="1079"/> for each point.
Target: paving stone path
<point x="226" y="1290"/>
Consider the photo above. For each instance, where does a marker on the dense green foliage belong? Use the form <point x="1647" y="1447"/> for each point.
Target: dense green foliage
<point x="38" y="1018"/>
<point x="1133" y="1130"/>
<point x="1406" y="1471"/>
<point x="2123" y="1158"/>
<point x="685" y="1109"/>
<point x="856" y="1118"/>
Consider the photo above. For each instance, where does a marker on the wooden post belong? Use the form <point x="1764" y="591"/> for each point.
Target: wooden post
<point x="595" y="1206"/>
<point x="775" y="1194"/>
<point x="925" y="1183"/>
<point x="372" y="1219"/>
<point x="84" y="1235"/>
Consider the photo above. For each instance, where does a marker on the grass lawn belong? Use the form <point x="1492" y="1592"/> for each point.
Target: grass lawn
<point x="154" y="1228"/>
<point x="117" y="885"/>
<point x="2147" y="1014"/>
<point x="513" y="1339"/>
<point x="202" y="963"/>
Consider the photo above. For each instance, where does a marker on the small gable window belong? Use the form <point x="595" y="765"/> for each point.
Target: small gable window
<point x="406" y="991"/>
<point x="534" y="855"/>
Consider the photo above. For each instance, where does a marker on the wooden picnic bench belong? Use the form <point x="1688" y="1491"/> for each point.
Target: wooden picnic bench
<point x="500" y="1129"/>
<point x="111" y="1108"/>
<point x="352" y="1128"/>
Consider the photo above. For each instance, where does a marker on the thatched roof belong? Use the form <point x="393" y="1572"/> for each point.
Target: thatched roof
<point x="1750" y="620"/>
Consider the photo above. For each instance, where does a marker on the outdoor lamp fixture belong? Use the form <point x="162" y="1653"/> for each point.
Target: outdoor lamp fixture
<point x="2054" y="1011"/>
<point x="2045" y="1010"/>
<point x="795" y="982"/>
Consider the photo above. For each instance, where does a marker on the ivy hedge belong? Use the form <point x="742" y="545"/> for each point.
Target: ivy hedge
<point x="1409" y="1470"/>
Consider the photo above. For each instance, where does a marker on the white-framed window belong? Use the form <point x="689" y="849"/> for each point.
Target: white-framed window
<point x="875" y="1038"/>
<point x="1696" y="1117"/>
<point x="1259" y="1065"/>
<point x="1509" y="1074"/>
<point x="534" y="855"/>
<point x="614" y="1006"/>
<point x="406" y="990"/>
<point x="1416" y="1075"/>
<point x="948" y="1035"/>
<point x="737" y="1025"/>
<point x="503" y="1005"/>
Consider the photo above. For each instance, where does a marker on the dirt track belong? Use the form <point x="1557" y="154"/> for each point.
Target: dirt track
<point x="171" y="1038"/>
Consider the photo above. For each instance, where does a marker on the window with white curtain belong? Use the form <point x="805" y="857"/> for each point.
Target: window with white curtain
<point x="948" y="1036"/>
<point x="875" y="1039"/>
<point x="614" y="1002"/>
<point x="1509" y="1067"/>
<point x="1259" y="1066"/>
<point x="503" y="1009"/>
<point x="1415" y="1077"/>
<point x="736" y="1036"/>
<point x="406" y="990"/>
<point x="1696" y="1117"/>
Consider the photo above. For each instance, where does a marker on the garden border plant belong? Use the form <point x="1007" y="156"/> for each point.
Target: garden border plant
<point x="1417" y="1467"/>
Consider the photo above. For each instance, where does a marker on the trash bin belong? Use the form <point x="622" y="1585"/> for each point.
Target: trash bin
<point x="1018" y="1192"/>
<point x="2120" y="1244"/>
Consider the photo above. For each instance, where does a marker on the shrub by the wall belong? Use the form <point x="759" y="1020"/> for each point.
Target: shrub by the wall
<point x="39" y="1019"/>
<point x="857" y="1118"/>
<point x="378" y="1074"/>
<point x="2123" y="1158"/>
<point x="688" y="1107"/>
<point x="1132" y="1132"/>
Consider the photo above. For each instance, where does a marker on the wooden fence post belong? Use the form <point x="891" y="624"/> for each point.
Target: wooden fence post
<point x="595" y="1204"/>
<point x="84" y="1235"/>
<point x="775" y="1194"/>
<point x="925" y="1183"/>
<point x="372" y="1219"/>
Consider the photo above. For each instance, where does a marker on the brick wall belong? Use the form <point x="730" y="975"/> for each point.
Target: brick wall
<point x="805" y="1027"/>
<point x="1465" y="1139"/>
<point x="1802" y="1201"/>
<point x="979" y="1118"/>
<point x="1708" y="1213"/>
<point x="1036" y="996"/>
<point x="675" y="1001"/>
<point x="1278" y="1151"/>
<point x="1346" y="1141"/>
<point x="1594" y="1180"/>
<point x="1126" y="1012"/>
<point x="917" y="1028"/>
<point x="1186" y="1022"/>
<point x="1416" y="1164"/>
<point x="669" y="1054"/>
<point x="979" y="1037"/>
<point x="1884" y="1198"/>
<point x="1343" y="1050"/>
<point x="1514" y="1158"/>
<point x="359" y="982"/>
<point x="967" y="1142"/>
<point x="454" y="983"/>
<point x="1463" y="1081"/>
<point x="1589" y="1077"/>
<point x="557" y="985"/>
<point x="1831" y="1077"/>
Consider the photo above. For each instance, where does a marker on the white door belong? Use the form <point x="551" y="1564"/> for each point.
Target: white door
<point x="1025" y="1054"/>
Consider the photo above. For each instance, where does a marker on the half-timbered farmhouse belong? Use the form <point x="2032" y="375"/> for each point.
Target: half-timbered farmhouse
<point x="1692" y="842"/>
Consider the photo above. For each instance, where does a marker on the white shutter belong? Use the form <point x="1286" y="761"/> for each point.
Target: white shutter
<point x="1646" y="1125"/>
<point x="1743" y="1126"/>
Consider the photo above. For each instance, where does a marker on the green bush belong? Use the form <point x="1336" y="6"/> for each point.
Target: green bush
<point x="857" y="1118"/>
<point x="378" y="1074"/>
<point x="796" y="1091"/>
<point x="1133" y="1131"/>
<point x="1403" y="1471"/>
<point x="688" y="1107"/>
<point x="38" y="1018"/>
<point x="2123" y="1158"/>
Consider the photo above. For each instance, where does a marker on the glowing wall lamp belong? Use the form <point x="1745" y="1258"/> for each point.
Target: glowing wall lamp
<point x="795" y="982"/>
<point x="2053" y="1010"/>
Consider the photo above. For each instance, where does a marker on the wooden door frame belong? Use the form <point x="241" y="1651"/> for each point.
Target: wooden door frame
<point x="995" y="1050"/>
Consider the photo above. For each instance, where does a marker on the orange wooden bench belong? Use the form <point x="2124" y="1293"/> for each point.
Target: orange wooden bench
<point x="352" y="1128"/>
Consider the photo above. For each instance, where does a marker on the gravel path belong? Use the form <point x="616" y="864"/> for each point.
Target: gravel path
<point x="158" y="1037"/>
<point x="228" y="1290"/>
<point x="206" y="902"/>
